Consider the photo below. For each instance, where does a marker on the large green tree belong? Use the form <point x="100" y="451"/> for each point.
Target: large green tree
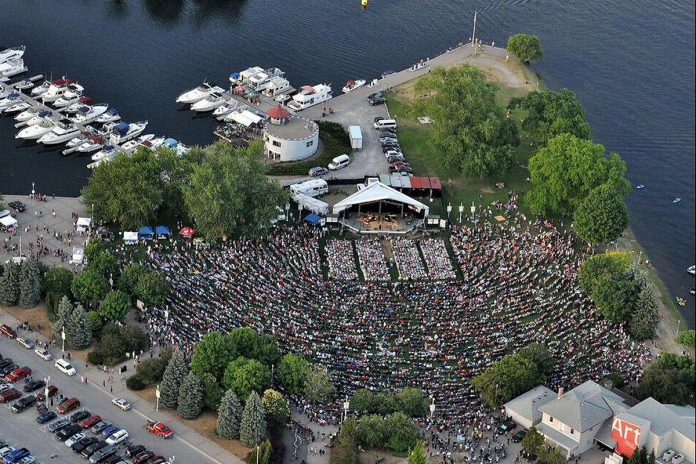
<point x="229" y="416"/>
<point x="253" y="426"/>
<point x="9" y="285"/>
<point x="668" y="379"/>
<point x="418" y="455"/>
<point x="56" y="283"/>
<point x="602" y="216"/>
<point x="412" y="402"/>
<point x="89" y="286"/>
<point x="318" y="386"/>
<point x="276" y="409"/>
<point x="172" y="378"/>
<point x="152" y="288"/>
<point x="78" y="329"/>
<point x="533" y="441"/>
<point x="129" y="278"/>
<point x="372" y="432"/>
<point x="292" y="372"/>
<point x="599" y="268"/>
<point x="616" y="298"/>
<point x="646" y="317"/>
<point x="115" y="306"/>
<point x="106" y="265"/>
<point x="229" y="194"/>
<point x="346" y="452"/>
<point x="29" y="284"/>
<point x="469" y="127"/>
<point x="265" y="452"/>
<point x="540" y="355"/>
<point x="403" y="433"/>
<point x="506" y="379"/>
<point x="65" y="309"/>
<point x="246" y="375"/>
<point x="212" y="391"/>
<point x="687" y="338"/>
<point x="567" y="169"/>
<point x="213" y="354"/>
<point x="549" y="114"/>
<point x="190" y="402"/>
<point x="525" y="47"/>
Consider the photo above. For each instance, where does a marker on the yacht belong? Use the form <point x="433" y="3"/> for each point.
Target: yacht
<point x="6" y="93"/>
<point x="58" y="88"/>
<point x="87" y="114"/>
<point x="59" y="134"/>
<point x="75" y="107"/>
<point x="40" y="89"/>
<point x="132" y="145"/>
<point x="691" y="270"/>
<point x="177" y="146"/>
<point x="12" y="68"/>
<point x="222" y="111"/>
<point x="153" y="144"/>
<point x="352" y="85"/>
<point x="93" y="143"/>
<point x="107" y="151"/>
<point x="310" y="96"/>
<point x="12" y="53"/>
<point x="123" y="132"/>
<point x="197" y="94"/>
<point x="35" y="131"/>
<point x="27" y="114"/>
<point x="209" y="103"/>
<point x="67" y="99"/>
<point x="11" y="99"/>
<point x="111" y="115"/>
<point x="17" y="107"/>
<point x="24" y="84"/>
<point x="40" y="117"/>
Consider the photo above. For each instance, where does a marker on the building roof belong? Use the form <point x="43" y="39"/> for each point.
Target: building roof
<point x="378" y="192"/>
<point x="585" y="406"/>
<point x="278" y="113"/>
<point x="527" y="404"/>
<point x="557" y="437"/>
<point x="295" y="129"/>
<point x="663" y="418"/>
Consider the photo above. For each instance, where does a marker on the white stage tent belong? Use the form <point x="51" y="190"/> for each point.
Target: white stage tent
<point x="377" y="192"/>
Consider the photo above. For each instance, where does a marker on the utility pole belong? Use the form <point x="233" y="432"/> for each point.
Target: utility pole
<point x="473" y="34"/>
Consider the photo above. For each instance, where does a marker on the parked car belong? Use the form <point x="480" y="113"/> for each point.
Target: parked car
<point x="53" y="427"/>
<point x="506" y="426"/>
<point x="518" y="436"/>
<point x="43" y="353"/>
<point x="5" y="387"/>
<point x="67" y="432"/>
<point x="80" y="445"/>
<point x="4" y="372"/>
<point x="52" y="390"/>
<point x="107" y="432"/>
<point x="400" y="167"/>
<point x="160" y="429"/>
<point x="5" y="450"/>
<point x="28" y="344"/>
<point x="23" y="404"/>
<point x="143" y="457"/>
<point x="318" y="171"/>
<point x="133" y="450"/>
<point x="17" y="206"/>
<point x="7" y="331"/>
<point x="65" y="367"/>
<point x="68" y="404"/>
<point x="32" y="385"/>
<point x="394" y="158"/>
<point x="79" y="416"/>
<point x="9" y="395"/>
<point x="18" y="374"/>
<point x="117" y="437"/>
<point x="100" y="426"/>
<point x="121" y="404"/>
<point x="47" y="416"/>
<point x="74" y="439"/>
<point x="27" y="460"/>
<point x="13" y="457"/>
<point x="157" y="460"/>
<point x="376" y="99"/>
<point x="102" y="454"/>
<point x="93" y="448"/>
<point x="91" y="422"/>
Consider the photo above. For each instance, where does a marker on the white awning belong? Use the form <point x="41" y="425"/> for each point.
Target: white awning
<point x="240" y="118"/>
<point x="375" y="192"/>
<point x="130" y="237"/>
<point x="83" y="223"/>
<point x="8" y="221"/>
<point x="255" y="118"/>
<point x="78" y="255"/>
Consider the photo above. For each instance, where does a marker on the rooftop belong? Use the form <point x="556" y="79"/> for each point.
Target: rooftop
<point x="295" y="129"/>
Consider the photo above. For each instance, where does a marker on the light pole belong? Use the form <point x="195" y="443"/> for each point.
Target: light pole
<point x="346" y="406"/>
<point x="157" y="395"/>
<point x="257" y="454"/>
<point x="432" y="408"/>
<point x="287" y="211"/>
<point x="473" y="211"/>
<point x="496" y="394"/>
<point x="461" y="211"/>
<point x="449" y="210"/>
<point x="62" y="335"/>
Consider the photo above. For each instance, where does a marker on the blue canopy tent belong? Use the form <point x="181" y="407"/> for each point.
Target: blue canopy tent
<point x="163" y="232"/>
<point x="234" y="76"/>
<point x="146" y="233"/>
<point x="313" y="219"/>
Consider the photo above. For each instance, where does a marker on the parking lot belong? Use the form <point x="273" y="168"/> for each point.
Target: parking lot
<point x="22" y="429"/>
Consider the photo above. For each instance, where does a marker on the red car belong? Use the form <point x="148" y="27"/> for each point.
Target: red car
<point x="18" y="374"/>
<point x="52" y="390"/>
<point x="91" y="422"/>
<point x="9" y="395"/>
<point x="159" y="429"/>
<point x="7" y="331"/>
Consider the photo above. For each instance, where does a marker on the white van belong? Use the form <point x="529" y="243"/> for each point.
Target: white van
<point x="65" y="367"/>
<point x="385" y="124"/>
<point x="313" y="188"/>
<point x="339" y="162"/>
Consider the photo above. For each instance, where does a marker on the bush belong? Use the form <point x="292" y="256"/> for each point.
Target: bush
<point x="136" y="382"/>
<point x="95" y="358"/>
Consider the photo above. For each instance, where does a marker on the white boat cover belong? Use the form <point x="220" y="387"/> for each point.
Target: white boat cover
<point x="8" y="221"/>
<point x="375" y="192"/>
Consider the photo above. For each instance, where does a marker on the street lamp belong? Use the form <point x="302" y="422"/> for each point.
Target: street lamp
<point x="62" y="335"/>
<point x="432" y="408"/>
<point x="346" y="406"/>
<point x="461" y="211"/>
<point x="157" y="395"/>
<point x="287" y="210"/>
<point x="473" y="211"/>
<point x="449" y="210"/>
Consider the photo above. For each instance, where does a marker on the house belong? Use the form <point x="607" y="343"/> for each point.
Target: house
<point x="525" y="408"/>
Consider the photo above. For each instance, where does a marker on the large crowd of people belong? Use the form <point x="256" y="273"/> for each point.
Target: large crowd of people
<point x="519" y="284"/>
<point x="407" y="258"/>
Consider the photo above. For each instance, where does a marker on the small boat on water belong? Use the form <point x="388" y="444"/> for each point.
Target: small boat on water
<point x="132" y="145"/>
<point x="58" y="88"/>
<point x="681" y="301"/>
<point x="676" y="200"/>
<point x="12" y="68"/>
<point x="11" y="99"/>
<point x="197" y="94"/>
<point x="693" y="291"/>
<point x="222" y="111"/>
<point x="107" y="151"/>
<point x="692" y="270"/>
<point x="41" y="89"/>
<point x="40" y="116"/>
<point x="67" y="99"/>
<point x="17" y="107"/>
<point x="35" y="131"/>
<point x="87" y="114"/>
<point x="123" y="132"/>
<point x="24" y="84"/>
<point x="352" y="85"/>
<point x="27" y="114"/>
<point x="93" y="143"/>
<point x="640" y="187"/>
<point x="12" y="53"/>
<point x="154" y="144"/>
<point x="75" y="107"/>
<point x="111" y="115"/>
<point x="59" y="134"/>
<point x="209" y="103"/>
<point x="387" y="73"/>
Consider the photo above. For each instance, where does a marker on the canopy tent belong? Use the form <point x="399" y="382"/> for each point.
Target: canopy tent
<point x="130" y="238"/>
<point x="240" y="118"/>
<point x="254" y="118"/>
<point x="163" y="232"/>
<point x="187" y="232"/>
<point x="378" y="192"/>
<point x="83" y="223"/>
<point x="146" y="232"/>
<point x="8" y="221"/>
<point x="78" y="255"/>
<point x="313" y="219"/>
<point x="234" y="75"/>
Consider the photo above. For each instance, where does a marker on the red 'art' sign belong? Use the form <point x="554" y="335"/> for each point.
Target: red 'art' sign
<point x="627" y="437"/>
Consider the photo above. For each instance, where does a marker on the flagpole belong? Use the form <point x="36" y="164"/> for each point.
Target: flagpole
<point x="473" y="34"/>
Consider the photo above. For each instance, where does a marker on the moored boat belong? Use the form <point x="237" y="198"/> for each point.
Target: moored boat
<point x="197" y="94"/>
<point x="133" y="144"/>
<point x="35" y="131"/>
<point x="123" y="132"/>
<point x="12" y="68"/>
<point x="59" y="134"/>
<point x="41" y="89"/>
<point x="17" y="107"/>
<point x="352" y="85"/>
<point x="12" y="53"/>
<point x="87" y="114"/>
<point x="75" y="107"/>
<point x="209" y="103"/>
<point x="111" y="115"/>
<point x="27" y="114"/>
<point x="691" y="270"/>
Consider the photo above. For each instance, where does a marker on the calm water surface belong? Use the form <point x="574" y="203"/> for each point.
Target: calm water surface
<point x="632" y="64"/>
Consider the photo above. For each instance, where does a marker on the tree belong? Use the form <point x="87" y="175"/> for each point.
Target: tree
<point x="292" y="372"/>
<point x="363" y="401"/>
<point x="687" y="338"/>
<point x="246" y="375"/>
<point x="152" y="288"/>
<point x="555" y="457"/>
<point x="95" y="322"/>
<point x="418" y="454"/>
<point x="506" y="379"/>
<point x="213" y="354"/>
<point x="371" y="432"/>
<point x="668" y="379"/>
<point x="267" y="350"/>
<point x="244" y="342"/>
<point x="229" y="195"/>
<point x="212" y="391"/>
<point x="89" y="286"/>
<point x="56" y="282"/>
<point x="318" y="387"/>
<point x="253" y="426"/>
<point x="229" y="416"/>
<point x="190" y="403"/>
<point x="173" y="376"/>
<point x="106" y="265"/>
<point x="533" y="441"/>
<point x="616" y="298"/>
<point x="265" y="451"/>
<point x="549" y="114"/>
<point x="115" y="306"/>
<point x="567" y="169"/>
<point x="129" y="278"/>
<point x="346" y="452"/>
<point x="276" y="409"/>
<point x="9" y="285"/>
<point x="598" y="269"/>
<point x="403" y="433"/>
<point x="541" y="357"/>
<point x="78" y="329"/>
<point x="525" y="47"/>
<point x="65" y="309"/>
<point x="412" y="402"/>
<point x="29" y="284"/>
<point x="94" y="248"/>
<point x="469" y="128"/>
<point x="601" y="217"/>
<point x="646" y="317"/>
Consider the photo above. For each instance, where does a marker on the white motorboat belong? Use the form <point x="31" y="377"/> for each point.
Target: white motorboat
<point x="177" y="146"/>
<point x="154" y="144"/>
<point x="27" y="114"/>
<point x="41" y="89"/>
<point x="75" y="107"/>
<point x="194" y="95"/>
<point x="12" y="68"/>
<point x="87" y="114"/>
<point x="123" y="132"/>
<point x="35" y="131"/>
<point x="40" y="117"/>
<point x="59" y="134"/>
<point x="352" y="85"/>
<point x="17" y="107"/>
<point x="691" y="270"/>
<point x="310" y="96"/>
<point x="108" y="150"/>
<point x="58" y="88"/>
<point x="11" y="99"/>
<point x="5" y="93"/>
<point x="209" y="103"/>
<point x="24" y="84"/>
<point x="67" y="99"/>
<point x="12" y="53"/>
<point x="222" y="111"/>
<point x="132" y="145"/>
<point x="111" y="115"/>
<point x="93" y="144"/>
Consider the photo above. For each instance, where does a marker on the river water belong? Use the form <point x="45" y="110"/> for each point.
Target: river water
<point x="631" y="63"/>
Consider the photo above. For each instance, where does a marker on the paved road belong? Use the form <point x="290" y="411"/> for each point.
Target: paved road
<point x="22" y="429"/>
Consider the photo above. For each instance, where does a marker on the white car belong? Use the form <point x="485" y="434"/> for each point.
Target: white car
<point x="28" y="344"/>
<point x="5" y="451"/>
<point x="117" y="437"/>
<point x="121" y="404"/>
<point x="27" y="460"/>
<point x="74" y="439"/>
<point x="5" y="387"/>
<point x="65" y="367"/>
<point x="43" y="354"/>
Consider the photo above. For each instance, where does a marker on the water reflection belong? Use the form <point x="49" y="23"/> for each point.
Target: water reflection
<point x="228" y="10"/>
<point x="117" y="9"/>
<point x="165" y="11"/>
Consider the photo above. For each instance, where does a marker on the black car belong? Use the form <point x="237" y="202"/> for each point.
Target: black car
<point x="376" y="99"/>
<point x="17" y="206"/>
<point x="80" y="445"/>
<point x="23" y="403"/>
<point x="506" y="426"/>
<point x="113" y="459"/>
<point x="59" y="424"/>
<point x="33" y="385"/>
<point x="4" y="362"/>
<point x="79" y="416"/>
<point x="67" y="432"/>
<point x="517" y="437"/>
<point x="7" y="369"/>
<point x="134" y="449"/>
<point x="93" y="448"/>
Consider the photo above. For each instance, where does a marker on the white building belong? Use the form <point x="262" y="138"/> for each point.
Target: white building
<point x="525" y="408"/>
<point x="289" y="138"/>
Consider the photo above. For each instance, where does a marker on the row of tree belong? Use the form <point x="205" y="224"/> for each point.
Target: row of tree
<point x="621" y="292"/>
<point x="20" y="284"/>
<point x="669" y="379"/>
<point x="395" y="432"/>
<point x="409" y="401"/>
<point x="534" y="443"/>
<point x="222" y="188"/>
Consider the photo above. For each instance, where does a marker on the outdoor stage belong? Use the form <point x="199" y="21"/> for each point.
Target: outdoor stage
<point x="385" y="223"/>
